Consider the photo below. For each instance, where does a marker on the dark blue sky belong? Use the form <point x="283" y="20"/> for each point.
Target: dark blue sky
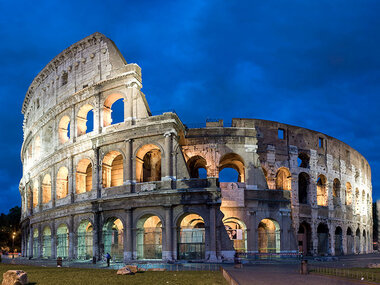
<point x="314" y="64"/>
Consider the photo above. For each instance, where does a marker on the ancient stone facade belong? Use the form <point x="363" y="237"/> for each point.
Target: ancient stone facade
<point x="147" y="187"/>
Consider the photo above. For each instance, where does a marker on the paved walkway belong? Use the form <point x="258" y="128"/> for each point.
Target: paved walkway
<point x="281" y="274"/>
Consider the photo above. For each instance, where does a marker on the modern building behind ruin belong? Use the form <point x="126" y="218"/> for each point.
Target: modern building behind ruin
<point x="147" y="188"/>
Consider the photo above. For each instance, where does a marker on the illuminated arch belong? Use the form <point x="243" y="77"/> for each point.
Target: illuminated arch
<point x="321" y="190"/>
<point x="107" y="108"/>
<point x="234" y="161"/>
<point x="84" y="176"/>
<point x="148" y="163"/>
<point x="64" y="129"/>
<point x="82" y="119"/>
<point x="283" y="179"/>
<point x="112" y="168"/>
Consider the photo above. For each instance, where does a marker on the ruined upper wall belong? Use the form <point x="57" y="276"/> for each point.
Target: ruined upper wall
<point x="82" y="65"/>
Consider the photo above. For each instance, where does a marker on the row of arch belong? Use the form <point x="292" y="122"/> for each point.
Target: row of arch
<point x="354" y="243"/>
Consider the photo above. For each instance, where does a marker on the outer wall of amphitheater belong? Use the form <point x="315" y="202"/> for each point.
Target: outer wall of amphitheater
<point x="148" y="187"/>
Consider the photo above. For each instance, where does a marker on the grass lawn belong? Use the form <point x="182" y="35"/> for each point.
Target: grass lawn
<point x="54" y="275"/>
<point x="369" y="274"/>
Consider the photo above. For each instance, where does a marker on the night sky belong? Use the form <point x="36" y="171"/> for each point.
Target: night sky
<point x="313" y="64"/>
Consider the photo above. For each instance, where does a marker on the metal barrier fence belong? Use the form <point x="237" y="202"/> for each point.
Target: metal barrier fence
<point x="182" y="266"/>
<point x="280" y="256"/>
<point x="364" y="275"/>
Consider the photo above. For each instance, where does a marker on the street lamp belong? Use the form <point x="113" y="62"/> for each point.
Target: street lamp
<point x="13" y="240"/>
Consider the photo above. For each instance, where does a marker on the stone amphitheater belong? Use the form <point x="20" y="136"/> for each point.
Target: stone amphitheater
<point x="151" y="188"/>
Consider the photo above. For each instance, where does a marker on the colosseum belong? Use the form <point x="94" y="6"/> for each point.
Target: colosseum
<point x="149" y="187"/>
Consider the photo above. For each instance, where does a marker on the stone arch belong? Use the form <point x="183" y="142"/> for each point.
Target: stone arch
<point x="357" y="240"/>
<point x="350" y="241"/>
<point x="348" y="194"/>
<point x="148" y="163"/>
<point x="36" y="242"/>
<point x="64" y="129"/>
<point x="46" y="242"/>
<point x="283" y="179"/>
<point x="357" y="200"/>
<point x="303" y="188"/>
<point x="364" y="242"/>
<point x="84" y="176"/>
<point x="35" y="193"/>
<point x="338" y="241"/>
<point x="149" y="237"/>
<point x="196" y="163"/>
<point x="191" y="237"/>
<point x="63" y="241"/>
<point x="304" y="238"/>
<point x="234" y="161"/>
<point x="82" y="118"/>
<point x="85" y="240"/>
<point x="112" y="169"/>
<point x="113" y="237"/>
<point x="321" y="190"/>
<point x="46" y="189"/>
<point x="303" y="160"/>
<point x="323" y="239"/>
<point x="336" y="192"/>
<point x="107" y="107"/>
<point x="62" y="183"/>
<point x="237" y="232"/>
<point x="269" y="237"/>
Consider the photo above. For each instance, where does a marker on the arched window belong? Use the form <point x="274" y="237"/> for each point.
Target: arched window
<point x="148" y="163"/>
<point x="283" y="179"/>
<point x="64" y="129"/>
<point x="112" y="168"/>
<point x="149" y="237"/>
<point x="85" y="240"/>
<point x="304" y="239"/>
<point x="46" y="189"/>
<point x="350" y="241"/>
<point x="336" y="192"/>
<point x="269" y="236"/>
<point x="303" y="160"/>
<point x="113" y="110"/>
<point x="321" y="191"/>
<point x="62" y="183"/>
<point x="197" y="166"/>
<point x="191" y="238"/>
<point x="46" y="242"/>
<point x="84" y="176"/>
<point x="83" y="118"/>
<point x="348" y="193"/>
<point x="303" y="188"/>
<point x="234" y="161"/>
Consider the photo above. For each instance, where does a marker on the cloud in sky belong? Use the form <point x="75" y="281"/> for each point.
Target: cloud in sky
<point x="311" y="64"/>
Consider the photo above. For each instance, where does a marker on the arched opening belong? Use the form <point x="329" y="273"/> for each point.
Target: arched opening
<point x="191" y="238"/>
<point x="350" y="241"/>
<point x="234" y="161"/>
<point x="84" y="113"/>
<point x="237" y="232"/>
<point x="62" y="183"/>
<point x="62" y="241"/>
<point x="357" y="241"/>
<point x="84" y="176"/>
<point x="113" y="238"/>
<point x="304" y="239"/>
<point x="303" y="188"/>
<point x="37" y="147"/>
<point x="85" y="240"/>
<point x="35" y="193"/>
<point x="338" y="241"/>
<point x="283" y="179"/>
<point x="348" y="193"/>
<point x="197" y="167"/>
<point x="46" y="189"/>
<point x="63" y="129"/>
<point x="321" y="190"/>
<point x="336" y="192"/>
<point x="148" y="163"/>
<point x="113" y="110"/>
<point x="269" y="236"/>
<point x="46" y="242"/>
<point x="35" y="243"/>
<point x="149" y="237"/>
<point x="112" y="169"/>
<point x="323" y="239"/>
<point x="303" y="160"/>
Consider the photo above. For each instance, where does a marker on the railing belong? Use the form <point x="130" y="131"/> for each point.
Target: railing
<point x="279" y="256"/>
<point x="364" y="274"/>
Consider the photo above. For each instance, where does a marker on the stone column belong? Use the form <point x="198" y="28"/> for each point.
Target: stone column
<point x="97" y="114"/>
<point x="53" y="186"/>
<point x="96" y="232"/>
<point x="53" y="241"/>
<point x="96" y="185"/>
<point x="168" y="253"/>
<point x="72" y="125"/>
<point x="252" y="233"/>
<point x="40" y="193"/>
<point x="30" y="241"/>
<point x="71" y="238"/>
<point x="212" y="236"/>
<point x="314" y="238"/>
<point x="168" y="171"/>
<point x="129" y="162"/>
<point x="128" y="103"/>
<point x="31" y="201"/>
<point x="71" y="178"/>
<point x="128" y="241"/>
<point x="40" y="241"/>
<point x="331" y="239"/>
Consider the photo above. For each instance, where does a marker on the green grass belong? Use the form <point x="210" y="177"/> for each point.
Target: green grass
<point x="369" y="274"/>
<point x="54" y="275"/>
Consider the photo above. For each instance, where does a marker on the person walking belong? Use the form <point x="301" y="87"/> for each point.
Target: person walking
<point x="108" y="257"/>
